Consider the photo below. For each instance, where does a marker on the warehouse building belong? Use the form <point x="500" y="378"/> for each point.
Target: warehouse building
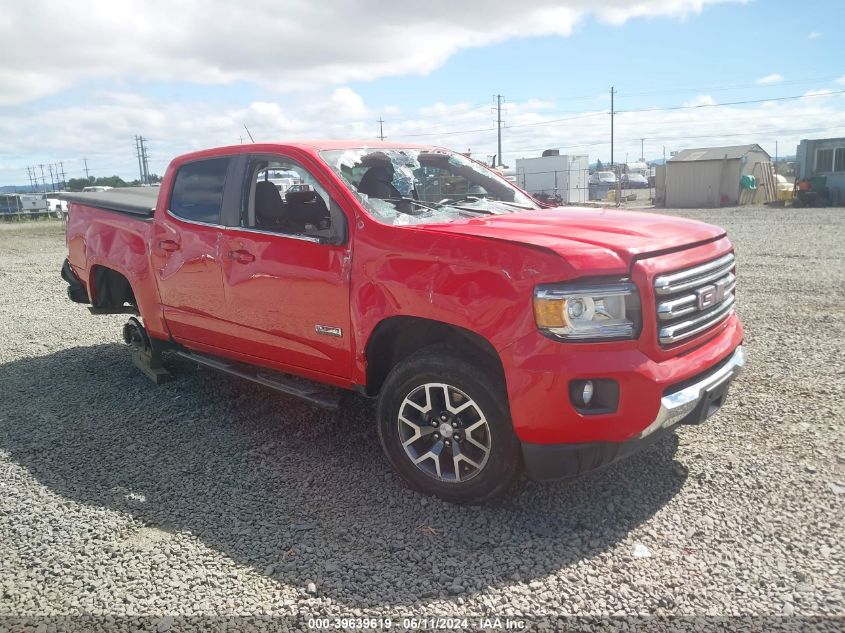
<point x="823" y="158"/>
<point x="711" y="177"/>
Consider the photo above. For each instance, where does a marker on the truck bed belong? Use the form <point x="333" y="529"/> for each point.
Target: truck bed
<point x="136" y="201"/>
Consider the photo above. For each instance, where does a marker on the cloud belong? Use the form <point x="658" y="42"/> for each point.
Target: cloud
<point x="814" y="35"/>
<point x="103" y="132"/>
<point x="700" y="100"/>
<point x="821" y="92"/>
<point x="841" y="81"/>
<point x="774" y="78"/>
<point x="289" y="45"/>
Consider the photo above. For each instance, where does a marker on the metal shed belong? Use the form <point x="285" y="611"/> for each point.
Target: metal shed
<point x="710" y="177"/>
<point x="824" y="157"/>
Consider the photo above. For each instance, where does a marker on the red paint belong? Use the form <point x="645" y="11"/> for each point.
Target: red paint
<point x="257" y="297"/>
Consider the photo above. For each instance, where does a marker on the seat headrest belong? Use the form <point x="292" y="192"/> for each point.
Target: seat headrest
<point x="299" y="197"/>
<point x="269" y="208"/>
<point x="378" y="182"/>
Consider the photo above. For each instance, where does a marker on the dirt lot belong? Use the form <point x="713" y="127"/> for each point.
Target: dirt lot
<point x="209" y="497"/>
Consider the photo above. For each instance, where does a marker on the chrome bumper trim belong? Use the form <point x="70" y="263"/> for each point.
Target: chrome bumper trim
<point x="676" y="406"/>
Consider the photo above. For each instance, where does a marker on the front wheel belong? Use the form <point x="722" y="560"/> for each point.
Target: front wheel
<point x="445" y="427"/>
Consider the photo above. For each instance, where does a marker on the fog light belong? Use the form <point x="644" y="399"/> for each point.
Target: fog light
<point x="587" y="393"/>
<point x="594" y="396"/>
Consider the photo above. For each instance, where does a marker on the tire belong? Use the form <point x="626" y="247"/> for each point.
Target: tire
<point x="466" y="450"/>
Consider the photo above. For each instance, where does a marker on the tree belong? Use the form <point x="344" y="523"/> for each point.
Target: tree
<point x="77" y="184"/>
<point x="111" y="181"/>
<point x="599" y="165"/>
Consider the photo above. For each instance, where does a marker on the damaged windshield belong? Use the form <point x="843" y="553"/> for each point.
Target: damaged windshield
<point x="413" y="186"/>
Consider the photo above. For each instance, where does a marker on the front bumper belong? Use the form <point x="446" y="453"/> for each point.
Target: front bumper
<point x="690" y="402"/>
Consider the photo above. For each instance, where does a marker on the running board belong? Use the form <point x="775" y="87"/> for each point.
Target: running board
<point x="120" y="310"/>
<point x="296" y="387"/>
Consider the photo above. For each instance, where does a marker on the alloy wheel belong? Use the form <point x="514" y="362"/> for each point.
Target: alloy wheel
<point x="444" y="432"/>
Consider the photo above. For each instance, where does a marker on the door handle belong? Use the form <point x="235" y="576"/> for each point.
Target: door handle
<point x="168" y="245"/>
<point x="241" y="256"/>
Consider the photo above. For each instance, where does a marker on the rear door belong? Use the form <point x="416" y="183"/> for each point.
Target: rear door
<point x="286" y="269"/>
<point x="186" y="250"/>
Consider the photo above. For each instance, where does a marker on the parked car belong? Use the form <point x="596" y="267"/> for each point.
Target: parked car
<point x="634" y="181"/>
<point x="498" y="336"/>
<point x="301" y="187"/>
<point x="603" y="178"/>
<point x="282" y="184"/>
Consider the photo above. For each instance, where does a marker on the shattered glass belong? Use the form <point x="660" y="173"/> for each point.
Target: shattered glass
<point x="429" y="186"/>
<point x="404" y="163"/>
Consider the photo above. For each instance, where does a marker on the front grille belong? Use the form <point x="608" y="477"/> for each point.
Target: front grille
<point x="694" y="300"/>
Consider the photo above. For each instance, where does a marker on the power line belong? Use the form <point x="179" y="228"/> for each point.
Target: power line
<point x="486" y="129"/>
<point x="734" y="86"/>
<point x="380" y="129"/>
<point x="87" y="175"/>
<point x="615" y="112"/>
<point x="694" y="106"/>
<point x="781" y="131"/>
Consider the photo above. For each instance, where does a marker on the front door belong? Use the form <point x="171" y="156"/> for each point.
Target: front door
<point x="286" y="271"/>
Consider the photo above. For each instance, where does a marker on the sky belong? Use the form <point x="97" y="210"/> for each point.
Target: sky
<point x="81" y="80"/>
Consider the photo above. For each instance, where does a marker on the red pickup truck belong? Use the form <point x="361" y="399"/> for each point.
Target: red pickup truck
<point x="500" y="336"/>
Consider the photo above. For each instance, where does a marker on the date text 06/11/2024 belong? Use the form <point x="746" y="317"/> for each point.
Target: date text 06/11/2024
<point x="417" y="624"/>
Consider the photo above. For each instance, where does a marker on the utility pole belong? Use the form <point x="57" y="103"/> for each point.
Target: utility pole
<point x="380" y="129"/>
<point x="29" y="171"/>
<point x="612" y="114"/>
<point x="499" y="126"/>
<point x="776" y="157"/>
<point x="138" y="154"/>
<point x="64" y="181"/>
<point x="87" y="176"/>
<point x="52" y="182"/>
<point x="43" y="180"/>
<point x="146" y="163"/>
<point x="642" y="150"/>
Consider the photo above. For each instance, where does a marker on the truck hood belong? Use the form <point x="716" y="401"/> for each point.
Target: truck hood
<point x="593" y="240"/>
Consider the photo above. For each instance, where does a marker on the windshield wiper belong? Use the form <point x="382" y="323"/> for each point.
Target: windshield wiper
<point x="412" y="201"/>
<point x="435" y="207"/>
<point x="446" y="202"/>
<point x="515" y="204"/>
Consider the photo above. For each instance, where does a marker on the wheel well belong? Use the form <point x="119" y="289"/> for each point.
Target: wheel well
<point x="110" y="289"/>
<point x="397" y="338"/>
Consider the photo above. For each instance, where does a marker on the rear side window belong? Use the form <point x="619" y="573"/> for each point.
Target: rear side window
<point x="198" y="190"/>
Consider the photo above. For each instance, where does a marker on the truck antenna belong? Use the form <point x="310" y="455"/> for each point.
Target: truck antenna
<point x="250" y="135"/>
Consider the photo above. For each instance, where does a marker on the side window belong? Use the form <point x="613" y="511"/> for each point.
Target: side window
<point x="824" y="160"/>
<point x="839" y="161"/>
<point x="198" y="190"/>
<point x="284" y="197"/>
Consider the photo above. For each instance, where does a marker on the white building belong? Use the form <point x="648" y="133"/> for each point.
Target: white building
<point x="555" y="176"/>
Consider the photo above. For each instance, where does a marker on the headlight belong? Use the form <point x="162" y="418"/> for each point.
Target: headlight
<point x="580" y="312"/>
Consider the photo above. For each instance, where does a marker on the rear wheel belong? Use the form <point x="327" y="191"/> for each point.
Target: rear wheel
<point x="445" y="427"/>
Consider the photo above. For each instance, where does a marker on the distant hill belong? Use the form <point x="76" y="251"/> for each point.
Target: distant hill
<point x="20" y="189"/>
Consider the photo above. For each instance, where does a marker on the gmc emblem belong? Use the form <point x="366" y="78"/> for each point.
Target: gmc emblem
<point x="708" y="296"/>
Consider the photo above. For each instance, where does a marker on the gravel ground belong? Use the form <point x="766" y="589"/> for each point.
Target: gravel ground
<point x="211" y="498"/>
